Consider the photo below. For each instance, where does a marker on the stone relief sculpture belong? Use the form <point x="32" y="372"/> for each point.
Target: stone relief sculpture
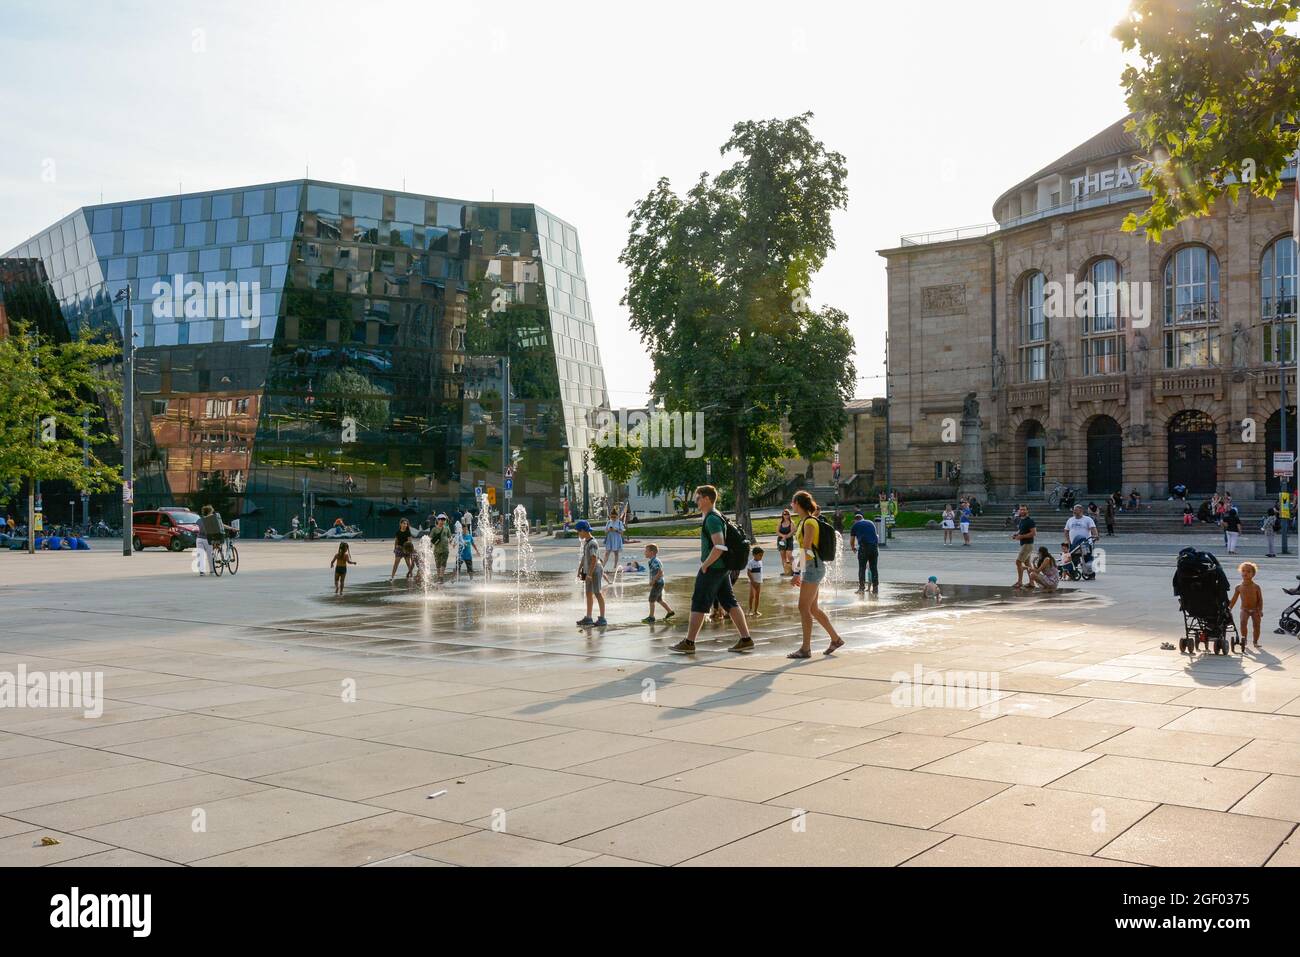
<point x="999" y="370"/>
<point x="1240" y="346"/>
<point x="1141" y="352"/>
<point x="1056" y="358"/>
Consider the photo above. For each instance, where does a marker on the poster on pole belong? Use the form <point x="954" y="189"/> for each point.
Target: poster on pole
<point x="1283" y="464"/>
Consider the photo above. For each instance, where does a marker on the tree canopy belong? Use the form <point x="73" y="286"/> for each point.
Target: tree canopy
<point x="718" y="289"/>
<point x="54" y="392"/>
<point x="1216" y="100"/>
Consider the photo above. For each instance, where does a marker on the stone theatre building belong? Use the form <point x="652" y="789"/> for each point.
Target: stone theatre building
<point x="1083" y="354"/>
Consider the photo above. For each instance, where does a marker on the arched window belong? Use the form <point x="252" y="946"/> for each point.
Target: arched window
<point x="1192" y="308"/>
<point x="1033" y="329"/>
<point x="1277" y="298"/>
<point x="1103" y="339"/>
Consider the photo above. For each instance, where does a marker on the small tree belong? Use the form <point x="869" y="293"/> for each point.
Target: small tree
<point x="1216" y="101"/>
<point x="617" y="458"/>
<point x="52" y="412"/>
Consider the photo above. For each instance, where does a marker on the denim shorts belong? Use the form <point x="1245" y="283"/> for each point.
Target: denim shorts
<point x="813" y="572"/>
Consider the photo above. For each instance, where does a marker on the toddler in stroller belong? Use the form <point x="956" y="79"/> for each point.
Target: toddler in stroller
<point x="1202" y="590"/>
<point x="1078" y="560"/>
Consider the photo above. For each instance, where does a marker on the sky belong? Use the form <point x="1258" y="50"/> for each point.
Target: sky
<point x="578" y="107"/>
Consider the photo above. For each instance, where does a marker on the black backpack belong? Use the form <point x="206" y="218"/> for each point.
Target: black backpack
<point x="736" y="557"/>
<point x="827" y="540"/>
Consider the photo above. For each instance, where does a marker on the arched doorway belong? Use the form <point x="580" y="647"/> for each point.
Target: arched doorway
<point x="1105" y="456"/>
<point x="1273" y="443"/>
<point x="1193" y="451"/>
<point x="1034" y="441"/>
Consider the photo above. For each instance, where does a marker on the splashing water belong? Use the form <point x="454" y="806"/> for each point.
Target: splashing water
<point x="525" y="560"/>
<point x="486" y="540"/>
<point x="835" y="570"/>
<point x="424" y="568"/>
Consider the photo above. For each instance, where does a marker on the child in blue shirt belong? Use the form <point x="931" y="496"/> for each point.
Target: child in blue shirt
<point x="467" y="549"/>
<point x="656" y="570"/>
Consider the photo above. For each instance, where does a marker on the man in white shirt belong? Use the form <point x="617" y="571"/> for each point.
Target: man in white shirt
<point x="1081" y="527"/>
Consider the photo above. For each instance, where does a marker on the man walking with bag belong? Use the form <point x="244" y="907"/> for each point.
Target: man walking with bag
<point x="712" y="581"/>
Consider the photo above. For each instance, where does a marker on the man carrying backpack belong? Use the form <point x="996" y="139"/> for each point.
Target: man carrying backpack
<point x="721" y="545"/>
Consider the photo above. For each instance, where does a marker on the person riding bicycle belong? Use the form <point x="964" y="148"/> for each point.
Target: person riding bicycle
<point x="212" y="531"/>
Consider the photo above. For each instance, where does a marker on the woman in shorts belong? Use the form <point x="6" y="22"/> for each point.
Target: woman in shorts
<point x="403" y="549"/>
<point x="785" y="542"/>
<point x="809" y="578"/>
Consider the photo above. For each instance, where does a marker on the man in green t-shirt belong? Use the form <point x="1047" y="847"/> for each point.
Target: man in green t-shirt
<point x="712" y="583"/>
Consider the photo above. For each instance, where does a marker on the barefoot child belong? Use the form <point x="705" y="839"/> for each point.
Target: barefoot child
<point x="656" y="568"/>
<point x="931" y="589"/>
<point x="340" y="563"/>
<point x="754" y="570"/>
<point x="1252" y="600"/>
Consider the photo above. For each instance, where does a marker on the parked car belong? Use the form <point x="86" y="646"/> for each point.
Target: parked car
<point x="174" y="529"/>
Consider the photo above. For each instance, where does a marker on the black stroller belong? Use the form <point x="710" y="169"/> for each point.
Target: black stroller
<point x="1289" y="623"/>
<point x="1202" y="590"/>
<point x="1079" y="567"/>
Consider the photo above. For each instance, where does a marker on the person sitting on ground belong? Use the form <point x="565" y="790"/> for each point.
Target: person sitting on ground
<point x="931" y="589"/>
<point x="1044" y="574"/>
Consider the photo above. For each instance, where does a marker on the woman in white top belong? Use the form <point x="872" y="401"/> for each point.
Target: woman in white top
<point x="949" y="523"/>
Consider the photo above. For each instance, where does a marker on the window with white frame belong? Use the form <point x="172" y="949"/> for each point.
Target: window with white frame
<point x="1102" y="325"/>
<point x="1033" y="329"/>
<point x="1192" y="309"/>
<point x="1277" y="297"/>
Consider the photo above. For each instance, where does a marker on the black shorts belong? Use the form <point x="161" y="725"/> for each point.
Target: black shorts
<point x="340" y="572"/>
<point x="712" y="587"/>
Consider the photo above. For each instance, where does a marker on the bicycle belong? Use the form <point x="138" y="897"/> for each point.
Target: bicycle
<point x="225" y="557"/>
<point x="1054" y="496"/>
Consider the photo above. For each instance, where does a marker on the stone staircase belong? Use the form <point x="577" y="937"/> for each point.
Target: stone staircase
<point x="1160" y="516"/>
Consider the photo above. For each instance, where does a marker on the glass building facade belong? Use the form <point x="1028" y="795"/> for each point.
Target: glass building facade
<point x="313" y="349"/>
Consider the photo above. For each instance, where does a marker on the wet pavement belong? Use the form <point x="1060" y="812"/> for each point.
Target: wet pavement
<point x="475" y="621"/>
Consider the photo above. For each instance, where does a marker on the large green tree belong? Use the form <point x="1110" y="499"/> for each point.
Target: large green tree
<point x="51" y="407"/>
<point x="718" y="288"/>
<point x="1216" y="101"/>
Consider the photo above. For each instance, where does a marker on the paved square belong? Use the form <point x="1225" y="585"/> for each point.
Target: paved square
<point x="258" y="720"/>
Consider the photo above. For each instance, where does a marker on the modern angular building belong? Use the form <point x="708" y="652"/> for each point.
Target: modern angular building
<point x="313" y="349"/>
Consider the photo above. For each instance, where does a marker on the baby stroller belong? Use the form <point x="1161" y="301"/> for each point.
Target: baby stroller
<point x="1202" y="590"/>
<point x="1079" y="567"/>
<point x="1289" y="623"/>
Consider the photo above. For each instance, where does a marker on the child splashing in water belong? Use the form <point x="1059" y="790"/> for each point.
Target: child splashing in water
<point x="340" y="563"/>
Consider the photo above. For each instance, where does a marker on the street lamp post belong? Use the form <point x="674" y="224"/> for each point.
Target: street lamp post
<point x="506" y="494"/>
<point x="1286" y="481"/>
<point x="586" y="486"/>
<point x="128" y="419"/>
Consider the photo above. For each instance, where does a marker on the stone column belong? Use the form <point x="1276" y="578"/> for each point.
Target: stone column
<point x="972" y="451"/>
